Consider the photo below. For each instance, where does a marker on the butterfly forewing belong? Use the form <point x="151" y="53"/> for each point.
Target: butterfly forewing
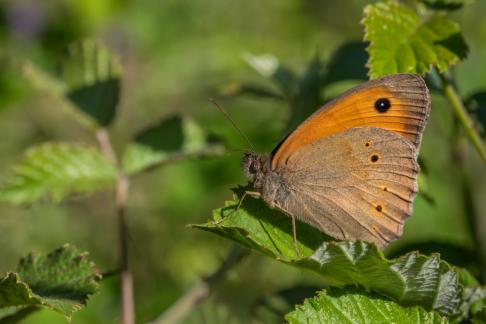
<point x="399" y="103"/>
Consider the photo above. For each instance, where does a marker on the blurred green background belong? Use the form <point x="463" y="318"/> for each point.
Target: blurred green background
<point x="176" y="54"/>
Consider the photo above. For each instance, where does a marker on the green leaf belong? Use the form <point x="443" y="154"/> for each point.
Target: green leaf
<point x="476" y="104"/>
<point x="347" y="63"/>
<point x="402" y="41"/>
<point x="239" y="88"/>
<point x="88" y="85"/>
<point x="412" y="279"/>
<point x="479" y="317"/>
<point x="57" y="170"/>
<point x="62" y="280"/>
<point x="172" y="139"/>
<point x="92" y="75"/>
<point x="355" y="307"/>
<point x="308" y="95"/>
<point x="269" y="67"/>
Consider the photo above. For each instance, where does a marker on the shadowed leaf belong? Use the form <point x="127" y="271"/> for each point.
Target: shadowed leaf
<point x="476" y="104"/>
<point x="88" y="84"/>
<point x="93" y="79"/>
<point x="348" y="62"/>
<point x="172" y="139"/>
<point x="444" y="4"/>
<point x="272" y="308"/>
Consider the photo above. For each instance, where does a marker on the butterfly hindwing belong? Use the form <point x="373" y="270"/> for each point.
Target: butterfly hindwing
<point x="358" y="184"/>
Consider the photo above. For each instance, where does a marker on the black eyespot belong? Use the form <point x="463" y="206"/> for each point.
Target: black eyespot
<point x="385" y="189"/>
<point x="379" y="208"/>
<point x="367" y="144"/>
<point x="382" y="105"/>
<point x="374" y="158"/>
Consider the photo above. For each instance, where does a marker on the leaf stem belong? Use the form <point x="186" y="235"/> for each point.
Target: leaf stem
<point x="201" y="290"/>
<point x="463" y="116"/>
<point x="207" y="152"/>
<point x="121" y="193"/>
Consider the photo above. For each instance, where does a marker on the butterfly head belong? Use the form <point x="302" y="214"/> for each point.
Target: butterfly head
<point x="255" y="167"/>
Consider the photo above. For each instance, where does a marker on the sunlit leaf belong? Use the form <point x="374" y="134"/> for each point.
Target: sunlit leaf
<point x="265" y="64"/>
<point x="401" y="41"/>
<point x="269" y="67"/>
<point x="57" y="170"/>
<point x="172" y="139"/>
<point x="353" y="307"/>
<point x="62" y="280"/>
<point x="412" y="279"/>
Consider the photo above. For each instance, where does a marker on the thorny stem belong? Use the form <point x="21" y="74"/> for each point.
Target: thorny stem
<point x="122" y="186"/>
<point x="463" y="116"/>
<point x="201" y="290"/>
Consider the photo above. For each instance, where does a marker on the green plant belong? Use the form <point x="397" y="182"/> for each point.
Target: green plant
<point x="88" y="88"/>
<point x="400" y="38"/>
<point x="359" y="283"/>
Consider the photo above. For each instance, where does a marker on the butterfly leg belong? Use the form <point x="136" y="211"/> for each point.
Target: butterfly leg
<point x="254" y="194"/>
<point x="294" y="233"/>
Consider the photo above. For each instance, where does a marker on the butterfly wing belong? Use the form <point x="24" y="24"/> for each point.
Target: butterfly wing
<point x="399" y="103"/>
<point x="358" y="184"/>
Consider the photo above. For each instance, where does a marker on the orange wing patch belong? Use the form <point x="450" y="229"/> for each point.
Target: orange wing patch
<point x="399" y="103"/>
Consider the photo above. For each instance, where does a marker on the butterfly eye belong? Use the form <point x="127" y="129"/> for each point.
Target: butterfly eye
<point x="382" y="105"/>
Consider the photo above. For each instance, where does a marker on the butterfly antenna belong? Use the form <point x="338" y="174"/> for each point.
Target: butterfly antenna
<point x="232" y="123"/>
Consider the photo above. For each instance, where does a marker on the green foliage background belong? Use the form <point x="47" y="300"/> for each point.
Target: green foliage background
<point x="175" y="55"/>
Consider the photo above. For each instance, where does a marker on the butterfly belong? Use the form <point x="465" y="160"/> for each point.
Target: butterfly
<point x="350" y="169"/>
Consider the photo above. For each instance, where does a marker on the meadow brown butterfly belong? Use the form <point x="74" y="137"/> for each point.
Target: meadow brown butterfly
<point x="350" y="169"/>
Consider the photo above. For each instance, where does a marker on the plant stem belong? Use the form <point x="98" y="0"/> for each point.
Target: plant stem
<point x="122" y="186"/>
<point x="463" y="116"/>
<point x="207" y="152"/>
<point x="201" y="290"/>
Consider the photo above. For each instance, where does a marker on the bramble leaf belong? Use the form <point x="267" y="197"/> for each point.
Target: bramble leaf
<point x="401" y="41"/>
<point x="62" y="280"/>
<point x="412" y="279"/>
<point x="352" y="306"/>
<point x="89" y="82"/>
<point x="92" y="75"/>
<point x="175" y="138"/>
<point x="57" y="170"/>
<point x="347" y="63"/>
